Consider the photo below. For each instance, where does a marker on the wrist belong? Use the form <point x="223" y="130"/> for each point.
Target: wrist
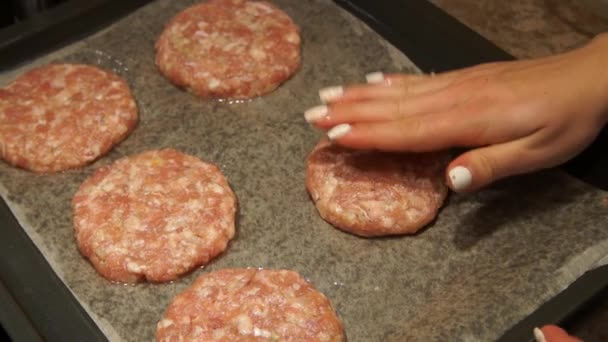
<point x="600" y="45"/>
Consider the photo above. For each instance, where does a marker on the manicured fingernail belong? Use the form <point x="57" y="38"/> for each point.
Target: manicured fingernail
<point x="539" y="336"/>
<point x="338" y="131"/>
<point x="375" y="77"/>
<point x="460" y="177"/>
<point x="315" y="113"/>
<point x="331" y="93"/>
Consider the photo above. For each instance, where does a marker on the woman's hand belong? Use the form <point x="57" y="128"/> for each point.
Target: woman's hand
<point x="518" y="116"/>
<point x="552" y="333"/>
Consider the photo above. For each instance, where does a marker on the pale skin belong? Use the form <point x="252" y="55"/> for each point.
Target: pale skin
<point x="552" y="333"/>
<point x="513" y="117"/>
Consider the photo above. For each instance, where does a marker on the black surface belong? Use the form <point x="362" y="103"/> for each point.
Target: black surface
<point x="6" y="14"/>
<point x="58" y="26"/>
<point x="23" y="9"/>
<point x="3" y="335"/>
<point x="431" y="38"/>
<point x="43" y="305"/>
<point x="20" y="327"/>
<point x="591" y="166"/>
<point x="562" y="307"/>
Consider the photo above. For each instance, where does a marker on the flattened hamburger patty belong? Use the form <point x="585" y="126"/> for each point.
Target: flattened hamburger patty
<point x="373" y="193"/>
<point x="153" y="216"/>
<point x="250" y="305"/>
<point x="229" y="49"/>
<point x="63" y="116"/>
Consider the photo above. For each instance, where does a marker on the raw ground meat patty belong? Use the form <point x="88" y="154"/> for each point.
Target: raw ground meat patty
<point x="153" y="216"/>
<point x="250" y="305"/>
<point x="63" y="116"/>
<point x="374" y="193"/>
<point x="229" y="49"/>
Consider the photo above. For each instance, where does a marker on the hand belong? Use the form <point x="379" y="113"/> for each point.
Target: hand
<point x="517" y="116"/>
<point x="552" y="333"/>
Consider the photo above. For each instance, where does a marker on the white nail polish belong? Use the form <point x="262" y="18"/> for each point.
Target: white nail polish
<point x="539" y="336"/>
<point x="374" y="77"/>
<point x="460" y="177"/>
<point x="315" y="113"/>
<point x="331" y="93"/>
<point x="338" y="131"/>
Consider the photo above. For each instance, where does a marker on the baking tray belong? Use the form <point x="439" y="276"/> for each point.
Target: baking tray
<point x="23" y="283"/>
<point x="58" y="26"/>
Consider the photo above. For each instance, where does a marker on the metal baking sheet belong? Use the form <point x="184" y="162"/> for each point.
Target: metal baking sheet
<point x="488" y="261"/>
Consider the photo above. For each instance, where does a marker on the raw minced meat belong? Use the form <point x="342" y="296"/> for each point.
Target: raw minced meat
<point x="63" y="116"/>
<point x="153" y="216"/>
<point x="229" y="49"/>
<point x="250" y="305"/>
<point x="372" y="193"/>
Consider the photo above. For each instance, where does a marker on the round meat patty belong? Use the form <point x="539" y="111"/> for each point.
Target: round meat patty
<point x="153" y="216"/>
<point x="63" y="116"/>
<point x="370" y="193"/>
<point x="250" y="305"/>
<point x="229" y="49"/>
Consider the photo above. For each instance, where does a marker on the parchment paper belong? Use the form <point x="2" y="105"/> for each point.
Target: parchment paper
<point x="488" y="260"/>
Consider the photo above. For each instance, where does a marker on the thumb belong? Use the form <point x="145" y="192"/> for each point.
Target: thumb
<point x="552" y="333"/>
<point x="482" y="166"/>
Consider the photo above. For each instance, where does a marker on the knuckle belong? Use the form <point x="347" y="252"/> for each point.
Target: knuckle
<point x="488" y="167"/>
<point x="489" y="66"/>
<point x="400" y="110"/>
<point x="417" y="128"/>
<point x="405" y="88"/>
<point x="355" y="92"/>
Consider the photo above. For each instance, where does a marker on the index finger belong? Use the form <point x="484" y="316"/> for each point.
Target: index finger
<point x="553" y="333"/>
<point x="417" y="133"/>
